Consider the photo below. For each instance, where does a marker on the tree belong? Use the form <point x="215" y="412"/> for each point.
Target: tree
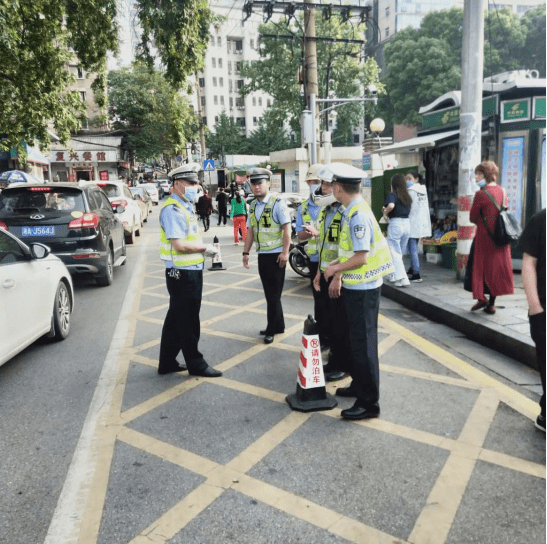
<point x="154" y="117"/>
<point x="35" y="38"/>
<point x="276" y="73"/>
<point x="227" y="138"/>
<point x="532" y="55"/>
<point x="180" y="31"/>
<point x="269" y="136"/>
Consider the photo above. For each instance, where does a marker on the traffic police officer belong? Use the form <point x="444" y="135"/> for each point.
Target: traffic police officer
<point x="363" y="259"/>
<point x="307" y="228"/>
<point x="269" y="227"/>
<point x="333" y="317"/>
<point x="182" y="251"/>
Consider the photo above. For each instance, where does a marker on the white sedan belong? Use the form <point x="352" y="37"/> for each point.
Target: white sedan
<point x="36" y="295"/>
<point x="152" y="190"/>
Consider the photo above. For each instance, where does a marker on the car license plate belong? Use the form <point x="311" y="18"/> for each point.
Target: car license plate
<point x="37" y="231"/>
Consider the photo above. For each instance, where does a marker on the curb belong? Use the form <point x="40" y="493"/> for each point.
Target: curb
<point x="497" y="337"/>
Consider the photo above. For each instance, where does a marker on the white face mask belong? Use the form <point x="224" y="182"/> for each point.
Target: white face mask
<point x="481" y="183"/>
<point x="191" y="193"/>
<point x="314" y="187"/>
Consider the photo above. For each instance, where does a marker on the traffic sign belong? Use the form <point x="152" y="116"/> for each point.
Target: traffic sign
<point x="209" y="165"/>
<point x="179" y="158"/>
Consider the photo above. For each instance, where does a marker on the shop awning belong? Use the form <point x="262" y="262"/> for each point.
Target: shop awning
<point x="413" y="144"/>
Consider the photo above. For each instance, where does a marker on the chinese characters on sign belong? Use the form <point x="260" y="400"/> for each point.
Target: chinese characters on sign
<point x="83" y="156"/>
<point x="310" y="372"/>
<point x="512" y="171"/>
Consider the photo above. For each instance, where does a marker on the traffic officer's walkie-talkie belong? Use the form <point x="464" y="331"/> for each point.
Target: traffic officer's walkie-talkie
<point x="267" y="218"/>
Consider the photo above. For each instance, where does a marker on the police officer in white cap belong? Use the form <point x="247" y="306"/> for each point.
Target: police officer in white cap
<point x="183" y="252"/>
<point x="363" y="259"/>
<point x="269" y="227"/>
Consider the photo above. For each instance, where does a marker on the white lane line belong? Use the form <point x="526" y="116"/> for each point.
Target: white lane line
<point x="65" y="524"/>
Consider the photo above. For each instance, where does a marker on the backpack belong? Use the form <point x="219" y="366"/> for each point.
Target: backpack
<point x="507" y="228"/>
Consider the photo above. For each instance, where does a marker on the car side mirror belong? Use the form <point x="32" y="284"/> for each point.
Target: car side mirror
<point x="119" y="209"/>
<point x="39" y="251"/>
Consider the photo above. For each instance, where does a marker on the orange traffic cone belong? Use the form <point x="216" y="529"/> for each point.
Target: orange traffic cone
<point x="311" y="394"/>
<point x="217" y="259"/>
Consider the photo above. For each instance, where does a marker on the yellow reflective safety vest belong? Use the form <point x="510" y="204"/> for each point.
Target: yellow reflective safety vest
<point x="329" y="240"/>
<point x="168" y="253"/>
<point x="267" y="233"/>
<point x="311" y="246"/>
<point x="379" y="261"/>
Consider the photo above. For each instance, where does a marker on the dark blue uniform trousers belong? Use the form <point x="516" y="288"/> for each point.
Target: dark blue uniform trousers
<point x="181" y="328"/>
<point x="361" y="309"/>
<point x="273" y="278"/>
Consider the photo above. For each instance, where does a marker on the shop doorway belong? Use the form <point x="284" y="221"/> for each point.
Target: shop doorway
<point x="84" y="175"/>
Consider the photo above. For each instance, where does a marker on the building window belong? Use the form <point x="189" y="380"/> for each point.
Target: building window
<point x="241" y="122"/>
<point x="230" y="85"/>
<point x="216" y="119"/>
<point x="221" y="82"/>
<point x="202" y="82"/>
<point x="268" y="102"/>
<point x="240" y="103"/>
<point x="228" y="45"/>
<point x="214" y="62"/>
<point x="214" y="82"/>
<point x="82" y="96"/>
<point x="212" y="40"/>
<point x="222" y="100"/>
<point x="80" y="73"/>
<point x="239" y="83"/>
<point x="255" y="122"/>
<point x="239" y="46"/>
<point x="215" y="100"/>
<point x="220" y="63"/>
<point x="254" y="100"/>
<point x="219" y="41"/>
<point x="386" y="32"/>
<point x="203" y="101"/>
<point x="387" y="11"/>
<point x="356" y="138"/>
<point x="231" y="102"/>
<point x="237" y="67"/>
<point x="260" y="101"/>
<point x="252" y="44"/>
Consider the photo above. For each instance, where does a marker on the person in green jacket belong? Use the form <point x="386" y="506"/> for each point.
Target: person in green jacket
<point x="238" y="215"/>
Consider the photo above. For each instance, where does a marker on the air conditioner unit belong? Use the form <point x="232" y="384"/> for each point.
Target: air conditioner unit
<point x="241" y="107"/>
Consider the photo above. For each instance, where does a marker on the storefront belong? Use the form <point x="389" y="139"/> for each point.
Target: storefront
<point x="33" y="161"/>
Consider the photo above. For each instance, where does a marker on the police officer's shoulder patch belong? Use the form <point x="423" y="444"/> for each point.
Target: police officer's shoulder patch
<point x="359" y="231"/>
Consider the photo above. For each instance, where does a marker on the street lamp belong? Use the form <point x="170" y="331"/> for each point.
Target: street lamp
<point x="377" y="125"/>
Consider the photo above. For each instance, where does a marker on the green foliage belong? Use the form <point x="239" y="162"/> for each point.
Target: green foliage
<point x="179" y="30"/>
<point x="35" y="38"/>
<point x="155" y="118"/>
<point x="269" y="136"/>
<point x="276" y="73"/>
<point x="423" y="64"/>
<point x="227" y="139"/>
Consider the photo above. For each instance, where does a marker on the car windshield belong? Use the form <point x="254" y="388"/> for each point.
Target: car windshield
<point x="111" y="190"/>
<point x="137" y="191"/>
<point x="41" y="199"/>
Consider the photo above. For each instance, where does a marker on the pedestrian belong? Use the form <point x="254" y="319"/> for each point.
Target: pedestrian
<point x="492" y="267"/>
<point x="204" y="208"/>
<point x="238" y="214"/>
<point x="307" y="228"/>
<point x="420" y="222"/>
<point x="532" y="245"/>
<point x="363" y="259"/>
<point x="269" y="227"/>
<point x="332" y="316"/>
<point x="222" y="205"/>
<point x="397" y="209"/>
<point x="183" y="251"/>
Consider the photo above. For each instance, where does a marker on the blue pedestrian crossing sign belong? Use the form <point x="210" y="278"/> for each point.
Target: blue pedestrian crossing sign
<point x="209" y="165"/>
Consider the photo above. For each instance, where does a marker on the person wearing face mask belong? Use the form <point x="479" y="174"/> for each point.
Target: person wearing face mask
<point x="492" y="268"/>
<point x="307" y="228"/>
<point x="363" y="259"/>
<point x="420" y="222"/>
<point x="183" y="252"/>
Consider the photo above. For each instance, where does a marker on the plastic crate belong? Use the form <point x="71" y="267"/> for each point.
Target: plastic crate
<point x="435" y="258"/>
<point x="432" y="248"/>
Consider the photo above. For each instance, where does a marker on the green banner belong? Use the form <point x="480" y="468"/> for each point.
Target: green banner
<point x="452" y="116"/>
<point x="539" y="108"/>
<point x="515" y="110"/>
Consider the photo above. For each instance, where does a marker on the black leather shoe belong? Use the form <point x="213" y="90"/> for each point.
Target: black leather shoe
<point x="356" y="412"/>
<point x="346" y="392"/>
<point x="169" y="370"/>
<point x="207" y="372"/>
<point x="268" y="339"/>
<point x="335" y="376"/>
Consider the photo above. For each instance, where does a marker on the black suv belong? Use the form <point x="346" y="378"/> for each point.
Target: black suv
<point x="75" y="220"/>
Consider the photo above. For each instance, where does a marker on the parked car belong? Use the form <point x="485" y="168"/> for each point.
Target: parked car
<point x="75" y="220"/>
<point x="152" y="191"/>
<point x="166" y="186"/>
<point x="142" y="196"/>
<point x="159" y="186"/>
<point x="36" y="295"/>
<point x="119" y="195"/>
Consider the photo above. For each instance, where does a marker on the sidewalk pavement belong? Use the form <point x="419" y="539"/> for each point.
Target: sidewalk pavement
<point x="441" y="298"/>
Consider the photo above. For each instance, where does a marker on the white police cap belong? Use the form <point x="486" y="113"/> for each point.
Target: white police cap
<point x="258" y="174"/>
<point x="346" y="173"/>
<point x="189" y="172"/>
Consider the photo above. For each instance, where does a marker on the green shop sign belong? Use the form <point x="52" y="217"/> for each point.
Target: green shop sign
<point x="515" y="110"/>
<point x="451" y="116"/>
<point x="539" y="107"/>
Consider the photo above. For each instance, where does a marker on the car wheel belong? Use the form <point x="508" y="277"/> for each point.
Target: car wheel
<point x="62" y="307"/>
<point x="130" y="238"/>
<point x="108" y="276"/>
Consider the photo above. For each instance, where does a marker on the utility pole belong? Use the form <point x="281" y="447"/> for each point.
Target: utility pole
<point x="201" y="123"/>
<point x="311" y="87"/>
<point x="470" y="123"/>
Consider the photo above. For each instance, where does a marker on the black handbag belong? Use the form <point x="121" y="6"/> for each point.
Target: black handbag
<point x="468" y="280"/>
<point x="506" y="229"/>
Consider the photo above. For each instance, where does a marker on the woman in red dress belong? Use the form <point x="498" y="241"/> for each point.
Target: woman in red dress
<point x="492" y="268"/>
